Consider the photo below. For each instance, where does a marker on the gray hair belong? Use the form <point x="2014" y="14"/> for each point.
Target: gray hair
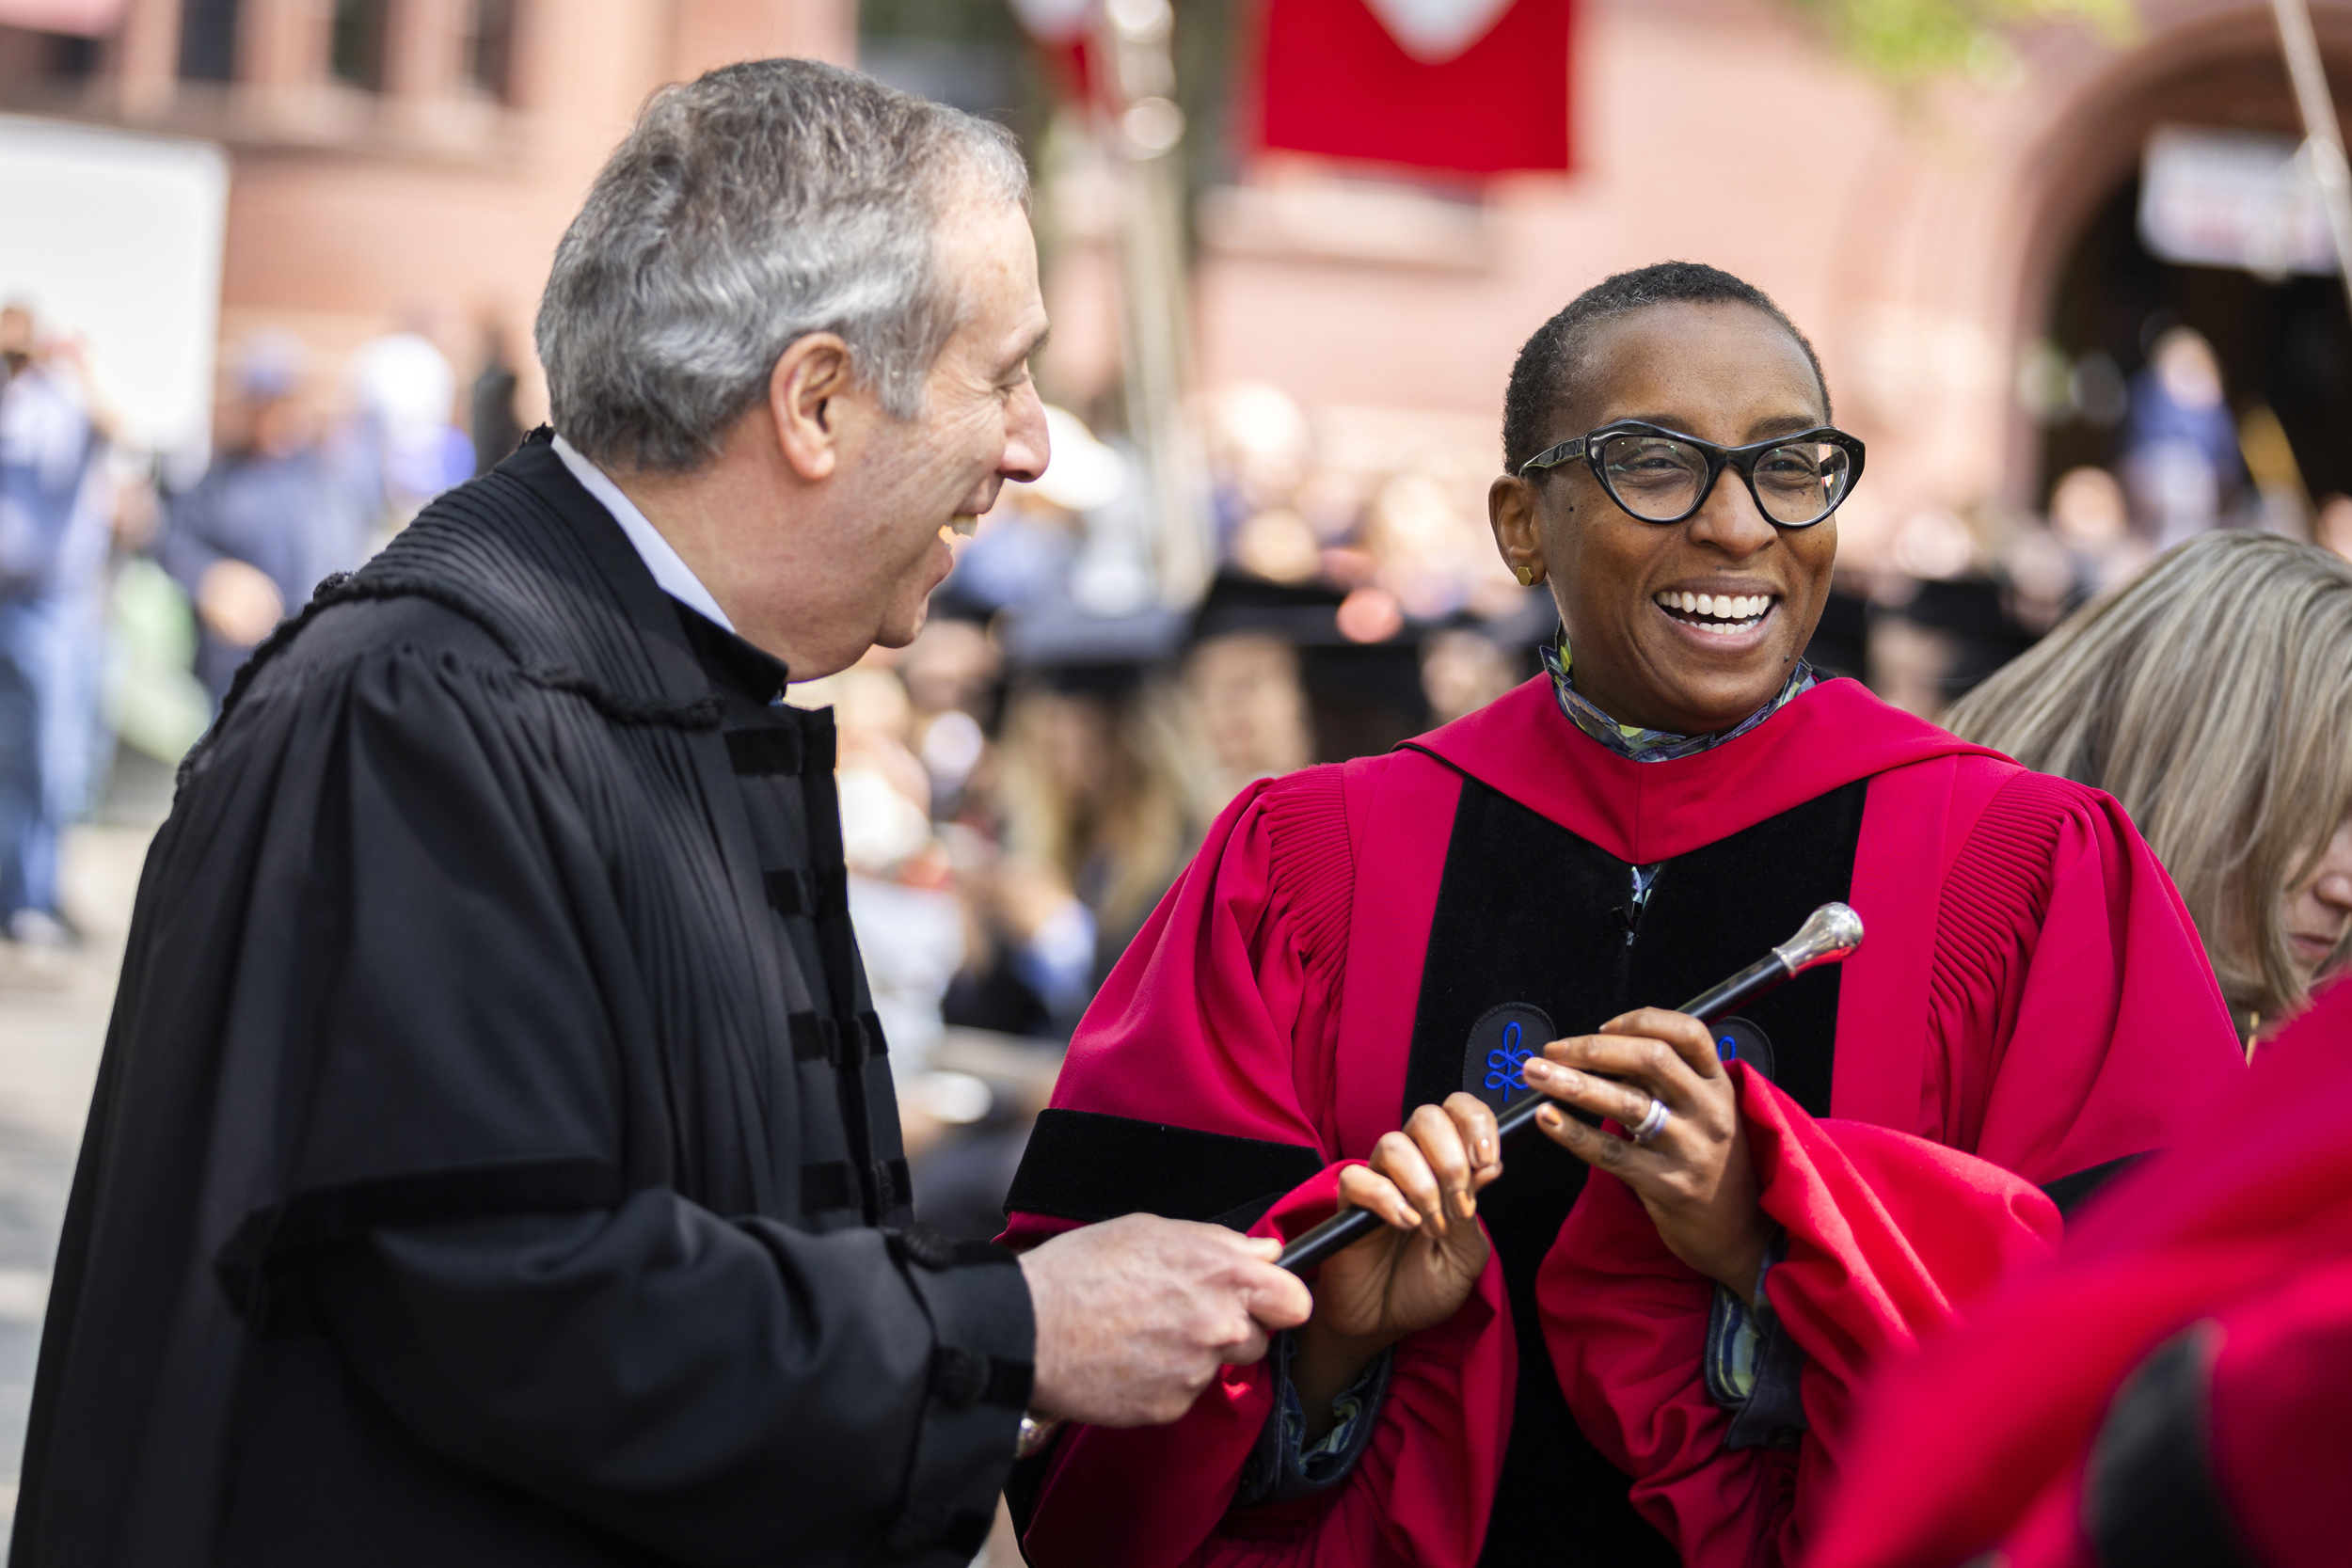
<point x="2208" y="695"/>
<point x="748" y="208"/>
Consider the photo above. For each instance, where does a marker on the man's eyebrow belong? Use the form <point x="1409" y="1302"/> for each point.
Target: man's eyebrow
<point x="1035" y="346"/>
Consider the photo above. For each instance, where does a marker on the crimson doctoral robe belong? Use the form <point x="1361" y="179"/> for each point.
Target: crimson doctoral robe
<point x="2030" y="1008"/>
<point x="2171" y="1391"/>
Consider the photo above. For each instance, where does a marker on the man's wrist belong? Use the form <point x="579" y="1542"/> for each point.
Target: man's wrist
<point x="1045" y="1385"/>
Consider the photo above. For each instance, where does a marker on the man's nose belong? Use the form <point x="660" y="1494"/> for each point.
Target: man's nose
<point x="1028" y="446"/>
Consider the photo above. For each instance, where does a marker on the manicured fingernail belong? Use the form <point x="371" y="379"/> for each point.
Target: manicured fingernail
<point x="1537" y="1068"/>
<point x="1486" y="1150"/>
<point x="1466" y="1203"/>
<point x="1406" y="1218"/>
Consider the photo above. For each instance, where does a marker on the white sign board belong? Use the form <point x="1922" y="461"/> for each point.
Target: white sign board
<point x="115" y="239"/>
<point x="2231" y="198"/>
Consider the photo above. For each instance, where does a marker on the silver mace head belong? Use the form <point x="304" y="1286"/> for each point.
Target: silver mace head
<point x="1828" y="934"/>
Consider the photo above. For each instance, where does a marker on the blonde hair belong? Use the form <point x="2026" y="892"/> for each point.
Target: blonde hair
<point x="1140" y="816"/>
<point x="2212" y="695"/>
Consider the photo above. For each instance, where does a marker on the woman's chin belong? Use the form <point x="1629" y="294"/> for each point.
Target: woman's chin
<point x="1713" y="700"/>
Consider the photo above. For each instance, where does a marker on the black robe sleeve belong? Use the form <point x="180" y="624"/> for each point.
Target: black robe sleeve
<point x="721" y="1393"/>
<point x="471" y="1097"/>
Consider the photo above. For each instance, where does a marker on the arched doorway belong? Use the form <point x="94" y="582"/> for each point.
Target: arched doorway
<point x="2282" y="342"/>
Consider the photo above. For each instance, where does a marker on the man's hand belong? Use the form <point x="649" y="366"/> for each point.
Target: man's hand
<point x="1424" y="1182"/>
<point x="1694" y="1177"/>
<point x="1135" y="1315"/>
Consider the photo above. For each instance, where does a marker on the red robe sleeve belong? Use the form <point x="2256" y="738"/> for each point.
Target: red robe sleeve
<point x="2245" y="1227"/>
<point x="1222" y="1018"/>
<point x="2071" y="1020"/>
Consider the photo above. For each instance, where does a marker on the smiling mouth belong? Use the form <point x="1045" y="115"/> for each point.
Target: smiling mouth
<point x="1724" y="614"/>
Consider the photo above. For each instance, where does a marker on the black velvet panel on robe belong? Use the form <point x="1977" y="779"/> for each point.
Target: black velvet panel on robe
<point x="1529" y="913"/>
<point x="493" y="1158"/>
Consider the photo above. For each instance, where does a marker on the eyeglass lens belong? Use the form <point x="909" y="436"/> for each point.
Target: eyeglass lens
<point x="1657" y="479"/>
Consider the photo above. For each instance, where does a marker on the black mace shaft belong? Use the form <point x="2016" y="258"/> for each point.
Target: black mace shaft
<point x="1828" y="935"/>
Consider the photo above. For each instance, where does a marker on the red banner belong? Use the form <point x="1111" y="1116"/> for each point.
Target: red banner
<point x="1468" y="96"/>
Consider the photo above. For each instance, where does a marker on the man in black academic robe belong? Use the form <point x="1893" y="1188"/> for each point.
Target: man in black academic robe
<point x="494" y="1158"/>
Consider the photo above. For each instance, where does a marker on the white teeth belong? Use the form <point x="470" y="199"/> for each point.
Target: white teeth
<point x="1726" y="613"/>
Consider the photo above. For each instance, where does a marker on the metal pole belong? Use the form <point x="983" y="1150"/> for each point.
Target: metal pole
<point x="1146" y="128"/>
<point x="2323" y="135"/>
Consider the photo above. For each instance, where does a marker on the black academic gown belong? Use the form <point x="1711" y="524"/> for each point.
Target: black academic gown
<point x="493" y="1159"/>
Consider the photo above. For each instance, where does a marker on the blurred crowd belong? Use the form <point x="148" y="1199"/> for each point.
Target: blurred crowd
<point x="132" y="584"/>
<point x="1948" y="598"/>
<point x="1022" y="784"/>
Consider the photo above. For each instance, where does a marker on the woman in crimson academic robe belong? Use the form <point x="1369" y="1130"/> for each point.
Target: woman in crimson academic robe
<point x="1651" y="1361"/>
<point x="2171" y="1394"/>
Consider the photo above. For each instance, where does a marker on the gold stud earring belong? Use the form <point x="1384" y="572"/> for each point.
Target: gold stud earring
<point x="1527" y="576"/>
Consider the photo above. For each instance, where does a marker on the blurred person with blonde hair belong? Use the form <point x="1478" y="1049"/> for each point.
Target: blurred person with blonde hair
<point x="2212" y="696"/>
<point x="1095" y="787"/>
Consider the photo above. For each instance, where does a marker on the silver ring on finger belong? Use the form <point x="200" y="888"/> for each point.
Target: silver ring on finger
<point x="1652" y="1123"/>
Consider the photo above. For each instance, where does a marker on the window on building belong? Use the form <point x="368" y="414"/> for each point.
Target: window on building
<point x="354" y="50"/>
<point x="208" y="40"/>
<point x="490" y="47"/>
<point x="72" y="58"/>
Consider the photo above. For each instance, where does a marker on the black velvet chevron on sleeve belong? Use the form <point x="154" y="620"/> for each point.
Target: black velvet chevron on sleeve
<point x="1086" y="1165"/>
<point x="2150" y="1496"/>
<point x="2070" y="1193"/>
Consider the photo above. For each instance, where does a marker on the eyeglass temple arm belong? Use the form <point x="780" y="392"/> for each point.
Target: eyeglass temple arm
<point x="1552" y="457"/>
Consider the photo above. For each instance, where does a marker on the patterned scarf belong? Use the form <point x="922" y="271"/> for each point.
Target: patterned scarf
<point x="1632" y="740"/>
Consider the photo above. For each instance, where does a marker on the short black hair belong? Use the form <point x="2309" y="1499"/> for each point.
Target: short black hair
<point x="1544" y="375"/>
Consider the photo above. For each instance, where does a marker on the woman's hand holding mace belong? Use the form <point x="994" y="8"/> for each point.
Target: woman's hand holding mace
<point x="1828" y="935"/>
<point x="1692" y="1174"/>
<point x="1406" y="1249"/>
<point x="1415" y="1272"/>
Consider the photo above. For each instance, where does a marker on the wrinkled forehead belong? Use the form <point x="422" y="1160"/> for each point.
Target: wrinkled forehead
<point x="1728" y="364"/>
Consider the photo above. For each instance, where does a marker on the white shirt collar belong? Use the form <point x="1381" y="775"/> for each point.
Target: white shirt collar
<point x="670" y="571"/>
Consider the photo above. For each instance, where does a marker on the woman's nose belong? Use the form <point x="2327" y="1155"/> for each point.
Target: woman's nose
<point x="1730" y="520"/>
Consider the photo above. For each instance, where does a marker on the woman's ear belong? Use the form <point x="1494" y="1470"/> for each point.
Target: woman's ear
<point x="1511" y="511"/>
<point x="805" y="395"/>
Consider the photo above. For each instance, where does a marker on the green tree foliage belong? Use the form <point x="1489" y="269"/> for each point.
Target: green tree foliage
<point x="1908" y="41"/>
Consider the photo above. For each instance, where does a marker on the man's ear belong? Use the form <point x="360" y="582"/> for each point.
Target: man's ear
<point x="805" y="395"/>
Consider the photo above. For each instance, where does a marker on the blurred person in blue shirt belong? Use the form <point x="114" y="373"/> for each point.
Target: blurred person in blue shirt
<point x="2181" y="459"/>
<point x="54" y="537"/>
<point x="281" y="510"/>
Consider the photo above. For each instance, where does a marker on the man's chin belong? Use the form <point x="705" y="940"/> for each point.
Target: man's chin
<point x="904" y="623"/>
<point x="898" y="634"/>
